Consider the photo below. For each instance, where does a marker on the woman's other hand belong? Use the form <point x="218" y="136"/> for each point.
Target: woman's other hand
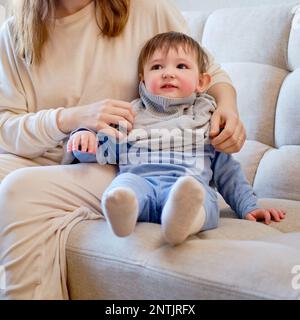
<point x="227" y="132"/>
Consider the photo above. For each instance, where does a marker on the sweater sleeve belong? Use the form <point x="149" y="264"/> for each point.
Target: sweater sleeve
<point x="175" y="22"/>
<point x="233" y="185"/>
<point x="22" y="132"/>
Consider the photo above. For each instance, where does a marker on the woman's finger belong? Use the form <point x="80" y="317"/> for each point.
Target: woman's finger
<point x="125" y="113"/>
<point x="112" y="119"/>
<point x="111" y="103"/>
<point x="227" y="131"/>
<point x="110" y="131"/>
<point x="215" y="125"/>
<point x="236" y="139"/>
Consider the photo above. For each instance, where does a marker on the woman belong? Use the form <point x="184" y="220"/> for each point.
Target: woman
<point x="62" y="63"/>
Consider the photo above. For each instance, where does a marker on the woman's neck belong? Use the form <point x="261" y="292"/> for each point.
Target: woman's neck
<point x="67" y="7"/>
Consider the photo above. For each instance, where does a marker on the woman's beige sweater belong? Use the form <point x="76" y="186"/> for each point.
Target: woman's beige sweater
<point x="79" y="67"/>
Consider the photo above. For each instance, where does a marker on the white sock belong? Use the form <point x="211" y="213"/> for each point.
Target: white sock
<point x="120" y="207"/>
<point x="183" y="213"/>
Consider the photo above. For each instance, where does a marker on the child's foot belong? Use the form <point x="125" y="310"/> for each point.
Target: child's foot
<point x="120" y="207"/>
<point x="183" y="213"/>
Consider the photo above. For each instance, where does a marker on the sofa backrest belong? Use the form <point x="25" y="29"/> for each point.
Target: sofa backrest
<point x="259" y="47"/>
<point x="2" y="14"/>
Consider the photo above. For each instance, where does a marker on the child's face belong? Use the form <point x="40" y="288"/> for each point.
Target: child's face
<point x="172" y="75"/>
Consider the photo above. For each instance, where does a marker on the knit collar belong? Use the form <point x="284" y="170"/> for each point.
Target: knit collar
<point x="157" y="103"/>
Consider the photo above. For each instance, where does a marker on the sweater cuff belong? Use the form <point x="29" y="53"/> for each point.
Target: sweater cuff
<point x="55" y="133"/>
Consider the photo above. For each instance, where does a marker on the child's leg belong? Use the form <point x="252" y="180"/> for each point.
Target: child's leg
<point x="123" y="201"/>
<point x="183" y="213"/>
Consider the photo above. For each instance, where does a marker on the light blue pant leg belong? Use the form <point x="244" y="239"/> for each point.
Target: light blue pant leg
<point x="145" y="193"/>
<point x="211" y="208"/>
<point x="210" y="201"/>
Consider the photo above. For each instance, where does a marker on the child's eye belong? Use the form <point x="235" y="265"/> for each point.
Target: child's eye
<point x="156" y="67"/>
<point x="182" y="66"/>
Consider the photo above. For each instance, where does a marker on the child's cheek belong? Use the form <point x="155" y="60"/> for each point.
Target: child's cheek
<point x="188" y="87"/>
<point x="152" y="86"/>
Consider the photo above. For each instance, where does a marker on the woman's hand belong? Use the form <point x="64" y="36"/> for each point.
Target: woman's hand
<point x="266" y="215"/>
<point x="227" y="132"/>
<point x="98" y="116"/>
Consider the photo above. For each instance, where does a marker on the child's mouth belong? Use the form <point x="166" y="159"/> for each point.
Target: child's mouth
<point x="168" y="86"/>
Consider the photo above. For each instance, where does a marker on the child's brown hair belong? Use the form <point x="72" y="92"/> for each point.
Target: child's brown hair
<point x="172" y="40"/>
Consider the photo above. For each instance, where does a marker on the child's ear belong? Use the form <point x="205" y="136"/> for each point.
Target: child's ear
<point x="204" y="82"/>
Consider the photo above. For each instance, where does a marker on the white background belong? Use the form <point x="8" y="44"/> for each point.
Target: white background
<point x="208" y="5"/>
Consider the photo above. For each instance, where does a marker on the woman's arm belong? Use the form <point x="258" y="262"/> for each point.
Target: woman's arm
<point x="23" y="131"/>
<point x="227" y="131"/>
<point x="29" y="133"/>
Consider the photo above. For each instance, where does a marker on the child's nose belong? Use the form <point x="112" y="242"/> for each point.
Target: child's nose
<point x="168" y="75"/>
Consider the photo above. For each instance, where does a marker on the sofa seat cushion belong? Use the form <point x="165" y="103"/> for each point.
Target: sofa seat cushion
<point x="290" y="224"/>
<point x="143" y="266"/>
<point x="237" y="229"/>
<point x="291" y="239"/>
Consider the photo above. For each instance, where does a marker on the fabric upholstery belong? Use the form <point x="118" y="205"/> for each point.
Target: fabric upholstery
<point x="287" y="111"/>
<point x="257" y="103"/>
<point x="103" y="268"/>
<point x="225" y="31"/>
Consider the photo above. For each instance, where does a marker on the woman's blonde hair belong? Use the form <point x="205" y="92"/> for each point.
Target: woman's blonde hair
<point x="34" y="19"/>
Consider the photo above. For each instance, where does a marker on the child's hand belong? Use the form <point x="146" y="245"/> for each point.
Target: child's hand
<point x="86" y="140"/>
<point x="266" y="214"/>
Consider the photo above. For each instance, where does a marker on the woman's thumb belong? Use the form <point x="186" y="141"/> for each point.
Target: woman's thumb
<point x="214" y="125"/>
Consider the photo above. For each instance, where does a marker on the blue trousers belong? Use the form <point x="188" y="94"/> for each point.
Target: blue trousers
<point x="152" y="193"/>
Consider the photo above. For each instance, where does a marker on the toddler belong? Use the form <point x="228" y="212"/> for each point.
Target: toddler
<point x="168" y="170"/>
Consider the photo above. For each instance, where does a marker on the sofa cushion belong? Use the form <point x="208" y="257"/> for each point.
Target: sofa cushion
<point x="287" y="123"/>
<point x="278" y="174"/>
<point x="290" y="224"/>
<point x="196" y="22"/>
<point x="258" y="87"/>
<point x="250" y="156"/>
<point x="236" y="35"/>
<point x="106" y="267"/>
<point x="294" y="41"/>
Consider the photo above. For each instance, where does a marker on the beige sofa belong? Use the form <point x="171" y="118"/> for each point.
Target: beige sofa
<point x="260" y="49"/>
